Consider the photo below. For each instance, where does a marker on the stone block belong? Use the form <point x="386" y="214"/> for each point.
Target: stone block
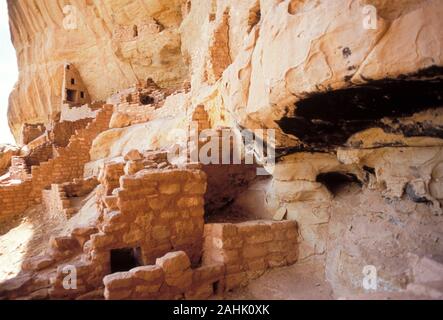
<point x="134" y="154"/>
<point x="210" y="272"/>
<point x="152" y="273"/>
<point x="174" y="262"/>
<point x="220" y="230"/>
<point x="198" y="188"/>
<point x="275" y="260"/>
<point x="255" y="250"/>
<point x="118" y="280"/>
<point x="169" y="188"/>
<point x="161" y="232"/>
<point x="181" y="280"/>
<point x="148" y="289"/>
<point x="260" y="237"/>
<point x="253" y="227"/>
<point x="187" y="202"/>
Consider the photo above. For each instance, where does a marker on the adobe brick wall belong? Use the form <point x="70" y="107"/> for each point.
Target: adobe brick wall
<point x="68" y="163"/>
<point x="41" y="153"/>
<point x="170" y="278"/>
<point x="64" y="130"/>
<point x="128" y="114"/>
<point x="110" y="176"/>
<point x="57" y="200"/>
<point x="137" y="104"/>
<point x="248" y="249"/>
<point x="19" y="169"/>
<point x="14" y="199"/>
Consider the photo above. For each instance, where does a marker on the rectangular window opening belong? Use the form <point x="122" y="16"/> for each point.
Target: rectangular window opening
<point x="125" y="259"/>
<point x="70" y="95"/>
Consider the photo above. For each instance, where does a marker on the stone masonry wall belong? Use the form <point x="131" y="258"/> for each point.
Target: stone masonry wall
<point x="55" y="200"/>
<point x="62" y="131"/>
<point x="248" y="249"/>
<point x="13" y="199"/>
<point x="40" y="154"/>
<point x="58" y="200"/>
<point x="233" y="254"/>
<point x="131" y="113"/>
<point x="170" y="278"/>
<point x="158" y="213"/>
<point x="67" y="164"/>
<point x="155" y="211"/>
<point x="79" y="187"/>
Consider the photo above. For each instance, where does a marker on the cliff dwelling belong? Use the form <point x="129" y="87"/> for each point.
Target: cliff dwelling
<point x="74" y="92"/>
<point x="202" y="150"/>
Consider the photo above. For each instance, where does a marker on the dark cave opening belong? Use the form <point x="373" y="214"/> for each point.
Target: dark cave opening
<point x="329" y="118"/>
<point x="146" y="99"/>
<point x="335" y="181"/>
<point x="125" y="259"/>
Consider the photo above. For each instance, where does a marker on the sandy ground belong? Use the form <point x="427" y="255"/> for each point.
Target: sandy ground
<point x="28" y="236"/>
<point x="302" y="281"/>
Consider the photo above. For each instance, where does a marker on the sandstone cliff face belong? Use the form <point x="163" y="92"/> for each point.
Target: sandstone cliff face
<point x="357" y="109"/>
<point x="113" y="44"/>
<point x="299" y="48"/>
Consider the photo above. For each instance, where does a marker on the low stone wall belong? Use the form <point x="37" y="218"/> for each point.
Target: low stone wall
<point x="248" y="249"/>
<point x="233" y="254"/>
<point x="55" y="201"/>
<point x="110" y="176"/>
<point x="18" y="169"/>
<point x="14" y="199"/>
<point x="79" y="187"/>
<point x="153" y="219"/>
<point x="170" y="278"/>
<point x="127" y="114"/>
